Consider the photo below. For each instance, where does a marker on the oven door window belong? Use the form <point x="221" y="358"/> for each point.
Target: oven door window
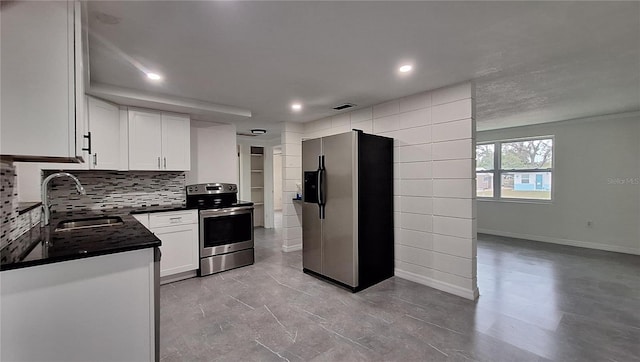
<point x="228" y="229"/>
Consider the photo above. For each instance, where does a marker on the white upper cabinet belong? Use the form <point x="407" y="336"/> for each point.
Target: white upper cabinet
<point x="81" y="48"/>
<point x="41" y="63"/>
<point x="176" y="142"/>
<point x="158" y="141"/>
<point x="104" y="125"/>
<point x="145" y="135"/>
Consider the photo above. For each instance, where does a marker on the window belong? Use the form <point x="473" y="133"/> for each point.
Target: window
<point x="484" y="169"/>
<point x="515" y="169"/>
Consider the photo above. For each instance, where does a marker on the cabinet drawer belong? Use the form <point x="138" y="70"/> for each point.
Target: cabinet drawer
<point x="172" y="218"/>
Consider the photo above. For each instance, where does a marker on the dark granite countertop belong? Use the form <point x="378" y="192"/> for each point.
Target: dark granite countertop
<point x="152" y="209"/>
<point x="163" y="208"/>
<point x="44" y="245"/>
<point x="41" y="246"/>
<point x="27" y="206"/>
<point x="242" y="203"/>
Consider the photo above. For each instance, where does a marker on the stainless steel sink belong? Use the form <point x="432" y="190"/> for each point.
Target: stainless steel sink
<point x="89" y="223"/>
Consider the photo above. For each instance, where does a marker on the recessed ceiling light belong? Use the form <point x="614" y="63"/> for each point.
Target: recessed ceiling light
<point x="296" y="106"/>
<point x="258" y="131"/>
<point x="405" y="68"/>
<point x="154" y="76"/>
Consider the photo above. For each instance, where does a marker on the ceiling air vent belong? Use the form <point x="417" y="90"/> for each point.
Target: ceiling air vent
<point x="344" y="106"/>
<point x="247" y="134"/>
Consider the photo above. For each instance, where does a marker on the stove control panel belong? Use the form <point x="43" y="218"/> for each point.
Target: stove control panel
<point x="212" y="188"/>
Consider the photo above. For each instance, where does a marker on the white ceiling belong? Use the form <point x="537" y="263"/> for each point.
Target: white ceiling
<point x="533" y="62"/>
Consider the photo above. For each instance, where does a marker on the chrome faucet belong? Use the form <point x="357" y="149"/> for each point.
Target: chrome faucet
<point x="45" y="183"/>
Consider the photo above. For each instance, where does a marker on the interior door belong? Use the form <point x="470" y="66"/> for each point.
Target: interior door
<point x="311" y="223"/>
<point x="339" y="260"/>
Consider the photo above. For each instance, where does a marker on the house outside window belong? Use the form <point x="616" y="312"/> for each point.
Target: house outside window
<point x="519" y="169"/>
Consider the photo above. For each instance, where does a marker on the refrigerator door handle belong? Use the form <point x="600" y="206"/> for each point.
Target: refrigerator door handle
<point x="319" y="181"/>
<point x="321" y="193"/>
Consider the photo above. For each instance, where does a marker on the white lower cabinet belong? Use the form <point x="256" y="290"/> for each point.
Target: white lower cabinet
<point x="179" y="251"/>
<point x="101" y="308"/>
<point x="178" y="231"/>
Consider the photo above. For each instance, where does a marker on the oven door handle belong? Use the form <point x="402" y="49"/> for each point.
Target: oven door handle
<point x="225" y="212"/>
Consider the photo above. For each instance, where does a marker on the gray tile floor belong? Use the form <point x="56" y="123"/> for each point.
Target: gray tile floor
<point x="538" y="302"/>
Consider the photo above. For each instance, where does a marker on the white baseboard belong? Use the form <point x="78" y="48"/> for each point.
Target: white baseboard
<point x="569" y="242"/>
<point x="436" y="284"/>
<point x="289" y="248"/>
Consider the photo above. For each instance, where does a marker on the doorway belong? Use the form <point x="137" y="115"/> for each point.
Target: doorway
<point x="277" y="187"/>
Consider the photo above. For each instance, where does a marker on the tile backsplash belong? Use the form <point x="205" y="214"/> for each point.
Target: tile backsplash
<point x="104" y="190"/>
<point x="116" y="189"/>
<point x="9" y="202"/>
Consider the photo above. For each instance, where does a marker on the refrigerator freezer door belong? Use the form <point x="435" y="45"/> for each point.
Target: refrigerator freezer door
<point x="339" y="229"/>
<point x="311" y="223"/>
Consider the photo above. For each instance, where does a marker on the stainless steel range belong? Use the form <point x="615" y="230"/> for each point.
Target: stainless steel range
<point x="226" y="227"/>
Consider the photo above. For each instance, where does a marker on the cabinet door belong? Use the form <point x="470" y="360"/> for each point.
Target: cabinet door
<point x="82" y="125"/>
<point x="145" y="135"/>
<point x="37" y="88"/>
<point x="179" y="248"/>
<point x="176" y="145"/>
<point x="104" y="123"/>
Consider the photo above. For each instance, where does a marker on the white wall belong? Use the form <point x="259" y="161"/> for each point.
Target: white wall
<point x="30" y="177"/>
<point x="434" y="159"/>
<point x="28" y="181"/>
<point x="277" y="181"/>
<point x="596" y="178"/>
<point x="291" y="141"/>
<point x="213" y="153"/>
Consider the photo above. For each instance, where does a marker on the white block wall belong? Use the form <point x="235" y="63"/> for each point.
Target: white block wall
<point x="434" y="163"/>
<point x="291" y="175"/>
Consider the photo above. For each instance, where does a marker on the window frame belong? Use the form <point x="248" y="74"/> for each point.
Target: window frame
<point x="498" y="171"/>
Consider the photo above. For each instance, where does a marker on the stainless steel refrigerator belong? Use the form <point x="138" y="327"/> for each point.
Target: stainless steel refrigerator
<point x="347" y="212"/>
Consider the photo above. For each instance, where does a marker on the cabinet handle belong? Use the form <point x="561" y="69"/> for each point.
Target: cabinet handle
<point x="88" y="137"/>
<point x="95" y="159"/>
<point x="174" y="220"/>
<point x="165" y="163"/>
<point x="159" y="168"/>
